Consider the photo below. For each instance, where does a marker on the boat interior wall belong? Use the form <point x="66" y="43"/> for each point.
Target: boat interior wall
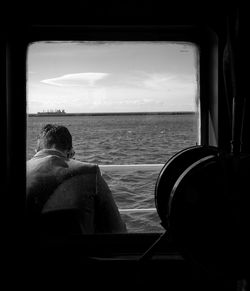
<point x="201" y="194"/>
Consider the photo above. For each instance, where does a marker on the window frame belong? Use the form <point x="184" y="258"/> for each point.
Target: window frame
<point x="16" y="56"/>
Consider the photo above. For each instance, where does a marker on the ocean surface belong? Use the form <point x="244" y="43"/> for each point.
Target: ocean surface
<point x="126" y="140"/>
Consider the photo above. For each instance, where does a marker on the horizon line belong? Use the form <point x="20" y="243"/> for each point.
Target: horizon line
<point x="112" y="113"/>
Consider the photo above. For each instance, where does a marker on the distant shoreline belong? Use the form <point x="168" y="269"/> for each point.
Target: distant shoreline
<point x="113" y="114"/>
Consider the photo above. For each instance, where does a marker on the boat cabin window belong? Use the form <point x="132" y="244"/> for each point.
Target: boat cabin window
<point x="129" y="105"/>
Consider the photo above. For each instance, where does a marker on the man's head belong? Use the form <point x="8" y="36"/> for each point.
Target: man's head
<point x="54" y="136"/>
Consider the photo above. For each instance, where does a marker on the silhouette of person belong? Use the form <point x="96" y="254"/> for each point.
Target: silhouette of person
<point x="56" y="181"/>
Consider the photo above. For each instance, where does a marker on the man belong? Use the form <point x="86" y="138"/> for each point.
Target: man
<point x="57" y="182"/>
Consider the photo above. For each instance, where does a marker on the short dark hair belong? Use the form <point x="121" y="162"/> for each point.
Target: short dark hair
<point x="53" y="135"/>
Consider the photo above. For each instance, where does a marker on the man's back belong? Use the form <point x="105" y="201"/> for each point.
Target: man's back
<point x="56" y="183"/>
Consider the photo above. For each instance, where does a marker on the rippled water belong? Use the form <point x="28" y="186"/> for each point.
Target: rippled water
<point x="122" y="140"/>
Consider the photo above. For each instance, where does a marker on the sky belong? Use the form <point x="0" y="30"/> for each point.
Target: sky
<point x="91" y="77"/>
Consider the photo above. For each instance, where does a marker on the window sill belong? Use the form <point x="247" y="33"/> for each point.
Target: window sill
<point x="128" y="246"/>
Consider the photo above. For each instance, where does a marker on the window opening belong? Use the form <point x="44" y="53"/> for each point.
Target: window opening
<point x="128" y="105"/>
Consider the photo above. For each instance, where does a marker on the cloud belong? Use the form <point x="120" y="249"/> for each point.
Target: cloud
<point x="158" y="81"/>
<point x="80" y="79"/>
<point x="169" y="82"/>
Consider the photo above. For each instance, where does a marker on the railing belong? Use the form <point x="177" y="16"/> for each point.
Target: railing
<point x="137" y="167"/>
<point x="131" y="167"/>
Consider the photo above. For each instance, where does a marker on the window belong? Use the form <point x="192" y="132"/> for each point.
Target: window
<point x="129" y="105"/>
